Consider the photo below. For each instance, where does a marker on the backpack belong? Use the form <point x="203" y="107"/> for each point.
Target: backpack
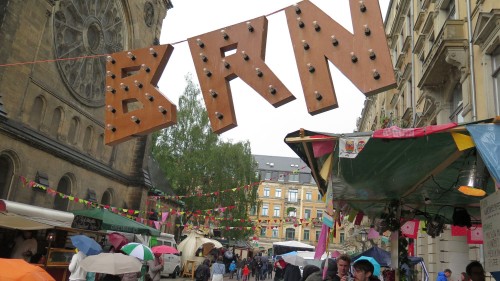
<point x="199" y="273"/>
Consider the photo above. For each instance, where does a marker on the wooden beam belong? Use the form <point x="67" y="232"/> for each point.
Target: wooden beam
<point x="435" y="171"/>
<point x="309" y="139"/>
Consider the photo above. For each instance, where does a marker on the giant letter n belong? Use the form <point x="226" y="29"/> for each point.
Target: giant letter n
<point x="363" y="56"/>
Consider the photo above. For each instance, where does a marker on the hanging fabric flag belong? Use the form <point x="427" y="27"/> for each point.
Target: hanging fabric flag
<point x="475" y="235"/>
<point x="164" y="216"/>
<point x="373" y="234"/>
<point x="410" y="229"/>
<point x="458" y="230"/>
<point x="486" y="138"/>
<point x="329" y="210"/>
<point x="321" y="246"/>
<point x="321" y="148"/>
<point x="359" y="218"/>
<point x="351" y="147"/>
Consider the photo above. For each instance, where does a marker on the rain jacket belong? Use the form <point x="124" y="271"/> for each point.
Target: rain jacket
<point x="155" y="268"/>
<point x="77" y="272"/>
<point x="441" y="277"/>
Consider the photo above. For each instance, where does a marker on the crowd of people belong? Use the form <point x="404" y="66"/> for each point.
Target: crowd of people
<point x="340" y="269"/>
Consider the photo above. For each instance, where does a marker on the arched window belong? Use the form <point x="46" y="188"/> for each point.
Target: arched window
<point x="64" y="187"/>
<point x="100" y="149"/>
<point x="107" y="197"/>
<point x="73" y="130"/>
<point x="87" y="139"/>
<point x="290" y="234"/>
<point x="36" y="112"/>
<point x="56" y="123"/>
<point x="6" y="174"/>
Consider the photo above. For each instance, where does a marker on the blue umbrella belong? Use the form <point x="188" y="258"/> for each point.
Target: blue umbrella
<point x="293" y="253"/>
<point x="376" y="265"/>
<point x="86" y="245"/>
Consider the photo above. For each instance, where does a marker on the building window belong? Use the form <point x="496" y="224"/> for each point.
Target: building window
<point x="451" y="10"/>
<point x="56" y="122"/>
<point x="318" y="232"/>
<point x="253" y="211"/>
<point x="36" y="112"/>
<point x="293" y="195"/>
<point x="320" y="197"/>
<point x="73" y="130"/>
<point x="263" y="232"/>
<point x="6" y="175"/>
<point x="268" y="176"/>
<point x="319" y="214"/>
<point x="277" y="192"/>
<point x="495" y="57"/>
<point x="64" y="187"/>
<point x="265" y="210"/>
<point x="308" y="196"/>
<point x="293" y="177"/>
<point x="276" y="211"/>
<point x="290" y="234"/>
<point x="275" y="233"/>
<point x="307" y="214"/>
<point x="313" y="181"/>
<point x="292" y="212"/>
<point x="306" y="234"/>
<point x="266" y="191"/>
<point x="87" y="139"/>
<point x="457" y="106"/>
<point x="281" y="177"/>
<point x="342" y="237"/>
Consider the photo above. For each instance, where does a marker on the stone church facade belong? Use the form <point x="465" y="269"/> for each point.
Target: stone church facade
<point x="52" y="111"/>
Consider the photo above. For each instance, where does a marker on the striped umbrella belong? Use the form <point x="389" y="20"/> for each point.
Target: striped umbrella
<point x="138" y="250"/>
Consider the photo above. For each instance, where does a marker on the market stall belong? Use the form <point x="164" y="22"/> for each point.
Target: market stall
<point x="51" y="231"/>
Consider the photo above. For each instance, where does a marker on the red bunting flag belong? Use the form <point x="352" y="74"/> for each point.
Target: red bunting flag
<point x="458" y="230"/>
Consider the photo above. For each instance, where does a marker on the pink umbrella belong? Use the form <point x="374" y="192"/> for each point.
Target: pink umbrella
<point x="164" y="249"/>
<point x="117" y="240"/>
<point x="336" y="254"/>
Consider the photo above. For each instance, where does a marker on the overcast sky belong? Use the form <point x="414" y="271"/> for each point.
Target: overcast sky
<point x="258" y="121"/>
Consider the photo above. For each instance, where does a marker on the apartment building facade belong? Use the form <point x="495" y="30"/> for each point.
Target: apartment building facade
<point x="290" y="204"/>
<point x="446" y="60"/>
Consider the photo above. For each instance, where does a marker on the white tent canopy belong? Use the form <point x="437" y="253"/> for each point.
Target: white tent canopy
<point x="191" y="243"/>
<point x="27" y="217"/>
<point x="294" y="244"/>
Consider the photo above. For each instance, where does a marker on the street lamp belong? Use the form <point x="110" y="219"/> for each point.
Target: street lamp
<point x="51" y="237"/>
<point x="364" y="237"/>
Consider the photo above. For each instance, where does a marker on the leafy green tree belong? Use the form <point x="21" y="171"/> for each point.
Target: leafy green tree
<point x="196" y="161"/>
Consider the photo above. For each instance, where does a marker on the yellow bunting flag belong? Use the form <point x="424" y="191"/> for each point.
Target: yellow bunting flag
<point x="462" y="141"/>
<point x="327" y="167"/>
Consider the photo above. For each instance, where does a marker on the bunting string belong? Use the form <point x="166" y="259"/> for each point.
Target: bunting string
<point x="99" y="55"/>
<point x="206" y="216"/>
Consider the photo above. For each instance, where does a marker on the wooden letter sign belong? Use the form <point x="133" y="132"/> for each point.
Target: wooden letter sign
<point x="215" y="69"/>
<point x="134" y="106"/>
<point x="363" y="57"/>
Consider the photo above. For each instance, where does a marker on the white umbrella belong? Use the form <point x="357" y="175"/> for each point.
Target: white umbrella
<point x="294" y="259"/>
<point x="111" y="263"/>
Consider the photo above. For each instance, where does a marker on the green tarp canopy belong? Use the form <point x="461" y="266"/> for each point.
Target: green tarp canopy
<point x="115" y="222"/>
<point x="420" y="172"/>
